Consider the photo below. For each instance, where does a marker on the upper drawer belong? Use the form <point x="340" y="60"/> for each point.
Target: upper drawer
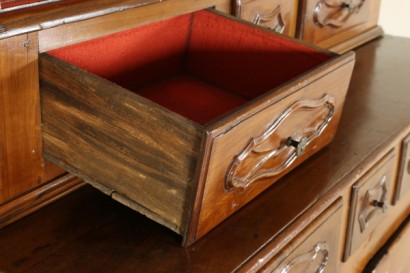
<point x="330" y="22"/>
<point x="187" y="119"/>
<point x="279" y="15"/>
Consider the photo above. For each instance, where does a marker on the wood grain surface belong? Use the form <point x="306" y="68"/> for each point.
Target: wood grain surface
<point x="116" y="140"/>
<point x="89" y="232"/>
<point x="20" y="137"/>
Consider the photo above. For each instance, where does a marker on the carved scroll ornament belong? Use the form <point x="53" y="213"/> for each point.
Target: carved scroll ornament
<point x="277" y="148"/>
<point x="335" y="13"/>
<point x="271" y="18"/>
<point x="315" y="261"/>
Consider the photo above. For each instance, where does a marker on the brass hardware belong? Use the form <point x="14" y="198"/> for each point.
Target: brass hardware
<point x="380" y="204"/>
<point x="299" y="145"/>
<point x="328" y="13"/>
<point x="319" y="251"/>
<point x="259" y="158"/>
<point x="370" y="205"/>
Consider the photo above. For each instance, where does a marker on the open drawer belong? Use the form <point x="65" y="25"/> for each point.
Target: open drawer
<point x="187" y="119"/>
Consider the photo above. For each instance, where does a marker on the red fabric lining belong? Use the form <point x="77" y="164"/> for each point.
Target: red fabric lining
<point x="243" y="58"/>
<point x="237" y="62"/>
<point x="192" y="98"/>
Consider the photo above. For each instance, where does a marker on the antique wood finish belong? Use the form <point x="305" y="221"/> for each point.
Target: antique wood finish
<point x="395" y="255"/>
<point x="37" y="198"/>
<point x="99" y="136"/>
<point x="403" y="181"/>
<point x="279" y="15"/>
<point x="15" y="4"/>
<point x="68" y="34"/>
<point x="330" y="23"/>
<point x="60" y="13"/>
<point x="20" y="137"/>
<point x="370" y="200"/>
<point x="68" y="96"/>
<point x="280" y="116"/>
<point x="23" y="172"/>
<point x="315" y="249"/>
<point x="61" y="236"/>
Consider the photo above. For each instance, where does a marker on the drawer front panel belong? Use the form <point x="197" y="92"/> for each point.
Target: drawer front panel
<point x="329" y="22"/>
<point x="395" y="255"/>
<point x="251" y="155"/>
<point x="279" y="15"/>
<point x="371" y="197"/>
<point x="403" y="181"/>
<point x="315" y="249"/>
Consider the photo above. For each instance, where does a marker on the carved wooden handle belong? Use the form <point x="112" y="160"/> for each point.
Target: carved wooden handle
<point x="375" y="200"/>
<point x="287" y="138"/>
<point x="335" y="13"/>
<point x="265" y="18"/>
<point x="319" y="251"/>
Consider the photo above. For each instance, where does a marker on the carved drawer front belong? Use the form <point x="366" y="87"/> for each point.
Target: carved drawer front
<point x="279" y="15"/>
<point x="315" y="250"/>
<point x="370" y="201"/>
<point x="189" y="129"/>
<point x="329" y="22"/>
<point x="403" y="179"/>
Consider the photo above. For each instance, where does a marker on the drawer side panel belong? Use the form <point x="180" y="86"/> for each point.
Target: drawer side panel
<point x="112" y="137"/>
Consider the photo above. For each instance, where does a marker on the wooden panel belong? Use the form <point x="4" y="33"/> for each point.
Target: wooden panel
<point x="60" y="13"/>
<point x="20" y="138"/>
<point x="36" y="198"/>
<point x="279" y="15"/>
<point x="370" y="201"/>
<point x="4" y="4"/>
<point x="68" y="34"/>
<point x="403" y="179"/>
<point x="394" y="257"/>
<point x="315" y="249"/>
<point x="327" y="23"/>
<point x="116" y="140"/>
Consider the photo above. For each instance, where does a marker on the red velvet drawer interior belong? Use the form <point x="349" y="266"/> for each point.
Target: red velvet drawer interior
<point x="200" y="65"/>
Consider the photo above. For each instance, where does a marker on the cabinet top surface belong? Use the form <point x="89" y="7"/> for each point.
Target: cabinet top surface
<point x="88" y="232"/>
<point x="55" y="13"/>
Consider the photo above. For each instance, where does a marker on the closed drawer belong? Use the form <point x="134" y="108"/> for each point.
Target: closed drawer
<point x="327" y="23"/>
<point x="278" y="15"/>
<point x="403" y="181"/>
<point x="316" y="249"/>
<point x="395" y="254"/>
<point x="370" y="200"/>
<point x="187" y="119"/>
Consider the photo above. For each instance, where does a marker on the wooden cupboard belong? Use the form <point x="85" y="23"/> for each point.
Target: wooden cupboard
<point x="270" y="231"/>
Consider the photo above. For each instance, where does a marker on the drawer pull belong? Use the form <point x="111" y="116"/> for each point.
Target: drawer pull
<point x="271" y="153"/>
<point x="306" y="261"/>
<point x="299" y="145"/>
<point x="334" y="14"/>
<point x="265" y="18"/>
<point x="379" y="204"/>
<point x="373" y="201"/>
